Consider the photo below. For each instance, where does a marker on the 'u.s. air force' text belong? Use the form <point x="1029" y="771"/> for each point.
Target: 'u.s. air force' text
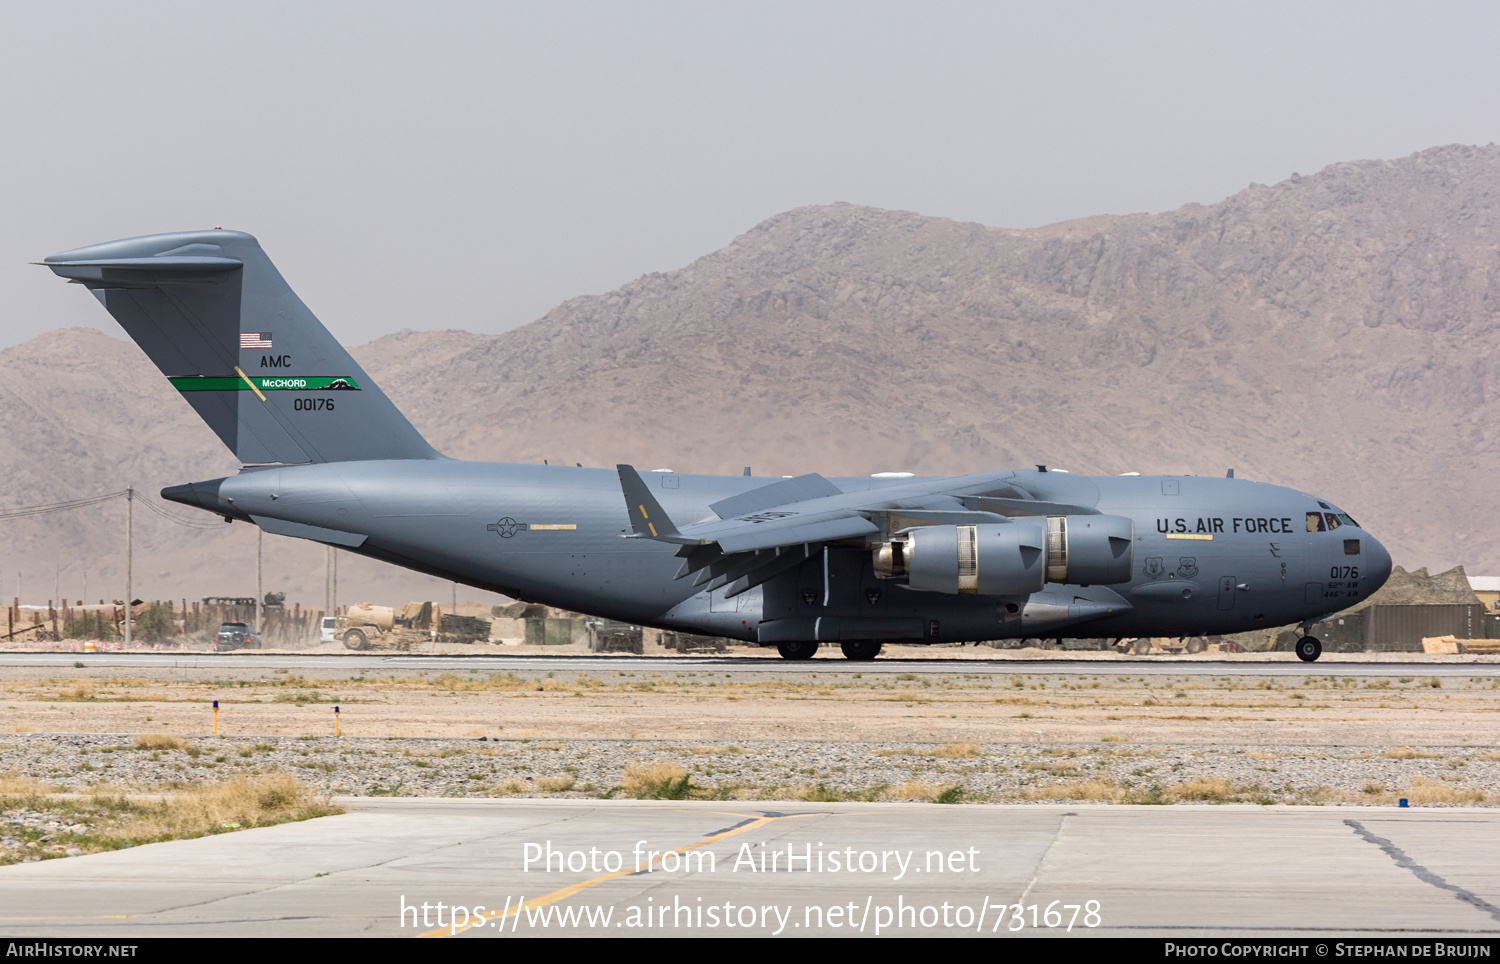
<point x="1209" y="526"/>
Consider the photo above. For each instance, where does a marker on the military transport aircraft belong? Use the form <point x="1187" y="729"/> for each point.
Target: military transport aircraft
<point x="789" y="562"/>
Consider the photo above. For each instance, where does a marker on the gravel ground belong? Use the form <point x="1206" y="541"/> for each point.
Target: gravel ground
<point x="776" y="769"/>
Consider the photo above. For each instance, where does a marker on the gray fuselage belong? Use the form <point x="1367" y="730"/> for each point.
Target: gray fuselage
<point x="1211" y="555"/>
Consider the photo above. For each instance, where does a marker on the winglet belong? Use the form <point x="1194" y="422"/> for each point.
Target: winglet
<point x="647" y="518"/>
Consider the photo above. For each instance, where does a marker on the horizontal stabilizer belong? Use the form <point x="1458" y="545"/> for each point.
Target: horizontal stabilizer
<point x="141" y="271"/>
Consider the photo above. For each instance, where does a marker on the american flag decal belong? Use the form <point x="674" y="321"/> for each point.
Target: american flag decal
<point x="255" y="339"/>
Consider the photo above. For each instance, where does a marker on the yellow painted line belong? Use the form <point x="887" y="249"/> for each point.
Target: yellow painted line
<point x="1190" y="535"/>
<point x="652" y="527"/>
<point x="250" y="383"/>
<point x="550" y="526"/>
<point x="644" y="513"/>
<point x="572" y="889"/>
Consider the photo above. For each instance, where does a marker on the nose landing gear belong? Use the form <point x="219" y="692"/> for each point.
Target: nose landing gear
<point x="1309" y="649"/>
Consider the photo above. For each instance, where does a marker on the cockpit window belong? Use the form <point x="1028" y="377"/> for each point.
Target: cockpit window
<point x="1315" y="522"/>
<point x="1333" y="522"/>
<point x="1346" y="520"/>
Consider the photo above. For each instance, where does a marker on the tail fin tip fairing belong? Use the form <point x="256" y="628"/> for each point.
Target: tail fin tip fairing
<point x="216" y="317"/>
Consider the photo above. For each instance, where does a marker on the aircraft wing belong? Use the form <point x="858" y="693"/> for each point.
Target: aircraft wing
<point x="766" y="530"/>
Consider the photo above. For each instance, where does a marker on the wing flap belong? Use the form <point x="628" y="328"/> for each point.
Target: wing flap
<point x="789" y="531"/>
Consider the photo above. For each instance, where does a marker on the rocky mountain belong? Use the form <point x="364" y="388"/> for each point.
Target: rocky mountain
<point x="1333" y="332"/>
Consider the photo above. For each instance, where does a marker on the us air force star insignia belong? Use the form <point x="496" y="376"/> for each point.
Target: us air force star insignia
<point x="1188" y="566"/>
<point x="506" y="527"/>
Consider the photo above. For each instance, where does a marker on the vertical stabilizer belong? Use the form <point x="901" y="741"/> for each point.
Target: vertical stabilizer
<point x="214" y="314"/>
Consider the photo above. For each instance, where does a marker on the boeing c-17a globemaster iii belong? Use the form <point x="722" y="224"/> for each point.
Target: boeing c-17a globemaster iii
<point x="789" y="562"/>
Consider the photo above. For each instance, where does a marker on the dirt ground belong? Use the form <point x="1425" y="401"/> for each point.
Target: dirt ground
<point x="841" y="704"/>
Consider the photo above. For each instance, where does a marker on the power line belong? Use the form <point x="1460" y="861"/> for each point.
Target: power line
<point x="171" y="517"/>
<point x="34" y="510"/>
<point x="30" y="511"/>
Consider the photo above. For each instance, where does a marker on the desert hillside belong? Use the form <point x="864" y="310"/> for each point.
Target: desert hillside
<point x="1333" y="332"/>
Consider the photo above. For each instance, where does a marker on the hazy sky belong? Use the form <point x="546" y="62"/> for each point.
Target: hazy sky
<point x="472" y="165"/>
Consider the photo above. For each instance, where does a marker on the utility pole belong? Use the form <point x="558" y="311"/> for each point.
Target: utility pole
<point x="129" y="552"/>
<point x="259" y="599"/>
<point x="328" y="580"/>
<point x="335" y="580"/>
<point x="454" y="610"/>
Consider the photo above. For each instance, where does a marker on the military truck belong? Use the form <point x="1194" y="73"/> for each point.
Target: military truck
<point x="368" y="626"/>
<point x="613" y="636"/>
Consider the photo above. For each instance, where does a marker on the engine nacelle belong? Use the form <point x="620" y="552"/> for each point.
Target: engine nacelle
<point x="1011" y="559"/>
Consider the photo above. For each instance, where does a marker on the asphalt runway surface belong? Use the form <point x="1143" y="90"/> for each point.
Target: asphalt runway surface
<point x="1145" y="665"/>
<point x="662" y="868"/>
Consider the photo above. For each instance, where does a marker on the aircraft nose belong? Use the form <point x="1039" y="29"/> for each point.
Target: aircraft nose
<point x="1377" y="565"/>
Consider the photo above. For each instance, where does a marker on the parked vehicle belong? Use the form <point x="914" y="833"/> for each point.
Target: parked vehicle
<point x="235" y="636"/>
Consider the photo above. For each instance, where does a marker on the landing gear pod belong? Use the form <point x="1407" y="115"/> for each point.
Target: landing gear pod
<point x="1011" y="559"/>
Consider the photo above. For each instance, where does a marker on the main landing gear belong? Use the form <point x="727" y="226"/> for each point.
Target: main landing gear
<point x="859" y="650"/>
<point x="1309" y="649"/>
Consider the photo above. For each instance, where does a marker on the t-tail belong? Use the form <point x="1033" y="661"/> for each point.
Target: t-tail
<point x="216" y="317"/>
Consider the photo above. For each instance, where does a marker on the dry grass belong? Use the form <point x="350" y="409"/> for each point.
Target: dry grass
<point x="1114" y="738"/>
<point x="511" y="787"/>
<point x="1102" y="790"/>
<point x="19" y="786"/>
<point x="1407" y="753"/>
<point x="109" y="821"/>
<point x="1423" y="790"/>
<point x="558" y="784"/>
<point x="1202" y="790"/>
<point x="159" y="741"/>
<point x="78" y="689"/>
<point x="656" y="780"/>
<point x="918" y="790"/>
<point x="247" y="802"/>
<point x="957" y="750"/>
<point x="1257" y="755"/>
<point x="1107" y="790"/>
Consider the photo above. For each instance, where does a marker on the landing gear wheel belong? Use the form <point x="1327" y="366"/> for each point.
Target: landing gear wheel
<point x="861" y="650"/>
<point x="1309" y="649"/>
<point x="1141" y="647"/>
<point x="797" y="650"/>
<point x="355" y="639"/>
<point x="1197" y="644"/>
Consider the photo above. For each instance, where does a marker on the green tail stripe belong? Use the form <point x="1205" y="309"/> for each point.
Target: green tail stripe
<point x="266" y="383"/>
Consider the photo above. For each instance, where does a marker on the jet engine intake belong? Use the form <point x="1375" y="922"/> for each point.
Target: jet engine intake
<point x="1011" y="559"/>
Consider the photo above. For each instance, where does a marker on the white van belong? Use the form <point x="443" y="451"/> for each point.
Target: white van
<point x="330" y="629"/>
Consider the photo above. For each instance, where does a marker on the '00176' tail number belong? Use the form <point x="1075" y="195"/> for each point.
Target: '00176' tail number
<point x="312" y="404"/>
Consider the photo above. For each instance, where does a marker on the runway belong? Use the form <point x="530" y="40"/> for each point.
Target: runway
<point x="662" y="868"/>
<point x="1272" y="665"/>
